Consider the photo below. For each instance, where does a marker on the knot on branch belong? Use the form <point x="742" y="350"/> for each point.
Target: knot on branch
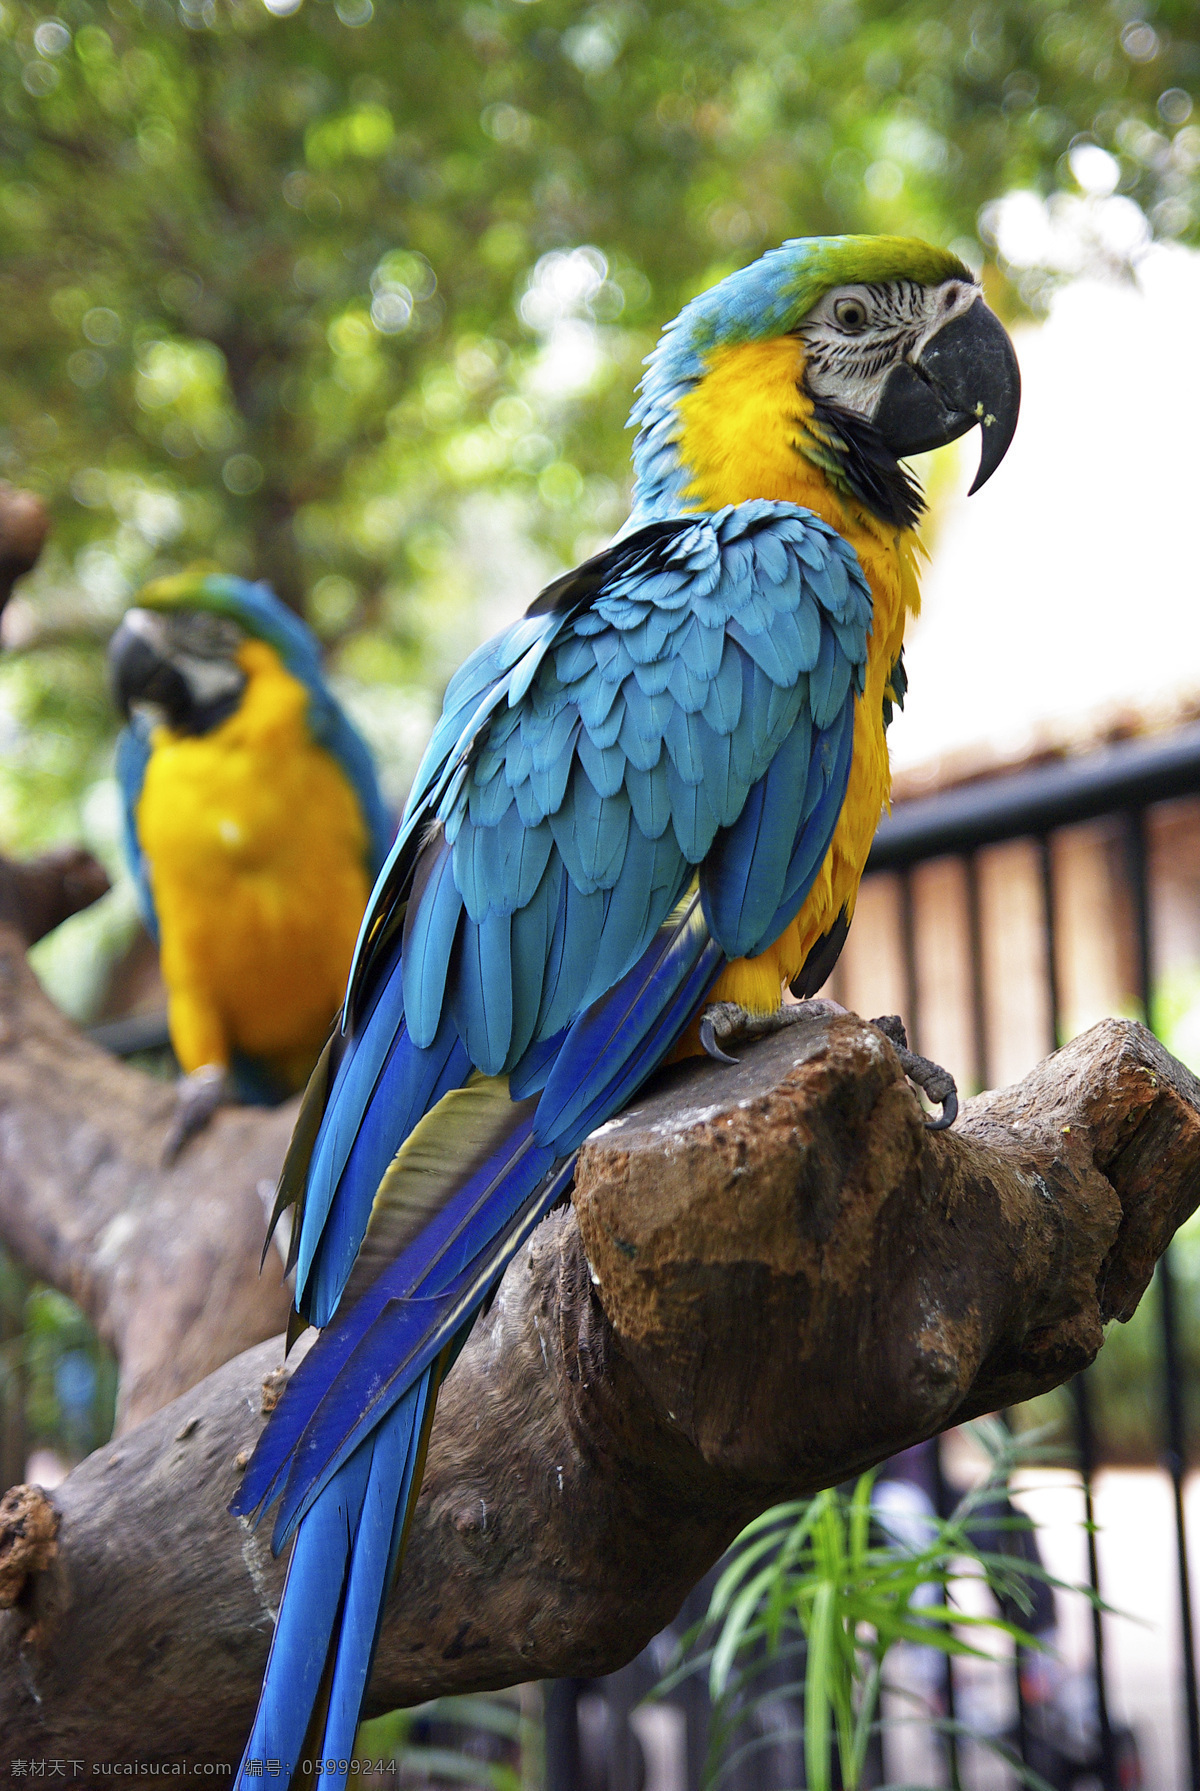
<point x="273" y="1386"/>
<point x="29" y="1523"/>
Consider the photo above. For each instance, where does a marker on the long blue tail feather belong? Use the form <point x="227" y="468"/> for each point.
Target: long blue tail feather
<point x="394" y="1462"/>
<point x="308" y="1612"/>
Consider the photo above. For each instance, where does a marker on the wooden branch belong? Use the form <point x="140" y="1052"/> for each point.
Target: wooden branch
<point x="771" y="1276"/>
<point x="163" y="1262"/>
<point x="38" y="894"/>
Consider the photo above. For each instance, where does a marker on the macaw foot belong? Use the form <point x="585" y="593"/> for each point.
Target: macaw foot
<point x="197" y="1098"/>
<point x="728" y="1022"/>
<point x="936" y="1084"/>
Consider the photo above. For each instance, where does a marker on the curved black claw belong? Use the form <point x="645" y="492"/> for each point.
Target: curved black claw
<point x="936" y="1084"/>
<point x="708" y="1038"/>
<point x="197" y="1098"/>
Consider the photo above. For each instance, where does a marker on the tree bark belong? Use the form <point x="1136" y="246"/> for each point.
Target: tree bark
<point x="770" y="1276"/>
<point x="163" y="1262"/>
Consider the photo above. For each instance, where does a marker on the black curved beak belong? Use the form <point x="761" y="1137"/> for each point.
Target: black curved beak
<point x="140" y="669"/>
<point x="966" y="374"/>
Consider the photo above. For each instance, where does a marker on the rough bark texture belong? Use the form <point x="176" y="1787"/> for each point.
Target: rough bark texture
<point x="163" y="1262"/>
<point x="770" y="1276"/>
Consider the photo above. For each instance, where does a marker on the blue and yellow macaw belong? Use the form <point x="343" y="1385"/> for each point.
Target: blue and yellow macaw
<point x="253" y="828"/>
<point x="646" y="805"/>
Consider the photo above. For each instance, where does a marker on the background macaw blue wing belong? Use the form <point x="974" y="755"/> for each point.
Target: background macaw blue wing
<point x="633" y="784"/>
<point x="133" y="755"/>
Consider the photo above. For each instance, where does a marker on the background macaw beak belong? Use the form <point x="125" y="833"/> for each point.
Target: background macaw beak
<point x="140" y="668"/>
<point x="966" y="374"/>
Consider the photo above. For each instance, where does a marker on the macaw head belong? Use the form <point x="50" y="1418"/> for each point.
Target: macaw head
<point x="888" y="342"/>
<point x="178" y="652"/>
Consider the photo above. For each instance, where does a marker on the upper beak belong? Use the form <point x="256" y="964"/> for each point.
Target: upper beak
<point x="966" y="373"/>
<point x="139" y="668"/>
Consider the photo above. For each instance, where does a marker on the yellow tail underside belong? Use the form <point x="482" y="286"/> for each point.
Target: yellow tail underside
<point x="256" y="850"/>
<point x="741" y="429"/>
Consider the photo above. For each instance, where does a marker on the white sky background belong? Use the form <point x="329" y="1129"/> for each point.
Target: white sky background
<point x="1069" y="587"/>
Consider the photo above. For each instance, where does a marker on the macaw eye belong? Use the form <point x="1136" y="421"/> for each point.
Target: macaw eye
<point x="851" y="313"/>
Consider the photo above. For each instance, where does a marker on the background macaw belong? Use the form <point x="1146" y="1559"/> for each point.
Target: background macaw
<point x="652" y="796"/>
<point x="253" y="828"/>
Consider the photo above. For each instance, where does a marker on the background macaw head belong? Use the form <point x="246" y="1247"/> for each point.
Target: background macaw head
<point x="898" y="344"/>
<point x="177" y="652"/>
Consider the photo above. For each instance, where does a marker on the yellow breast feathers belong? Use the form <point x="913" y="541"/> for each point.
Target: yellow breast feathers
<point x="256" y="850"/>
<point x="745" y="435"/>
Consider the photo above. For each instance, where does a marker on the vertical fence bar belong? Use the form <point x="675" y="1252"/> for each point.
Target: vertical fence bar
<point x="1138" y="879"/>
<point x="1017" y="1662"/>
<point x="1079" y="1388"/>
<point x="978" y="992"/>
<point x="1087" y="1466"/>
<point x="1050" y="934"/>
<point x="1138" y="882"/>
<point x="1176" y="1460"/>
<point x="563" y="1764"/>
<point x="908" y="948"/>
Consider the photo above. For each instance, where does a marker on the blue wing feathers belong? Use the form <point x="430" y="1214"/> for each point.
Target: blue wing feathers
<point x="412" y="1081"/>
<point x="681" y="706"/>
<point x="429" y="932"/>
<point x="812" y="841"/>
<point x="133" y="755"/>
<point x="482" y="990"/>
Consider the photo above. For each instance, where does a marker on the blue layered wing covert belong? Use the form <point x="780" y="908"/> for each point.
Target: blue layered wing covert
<point x="628" y="759"/>
<point x="681" y="706"/>
<point x="675" y="717"/>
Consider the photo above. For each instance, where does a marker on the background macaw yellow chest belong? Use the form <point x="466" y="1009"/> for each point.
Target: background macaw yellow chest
<point x="744" y="429"/>
<point x="256" y="850"/>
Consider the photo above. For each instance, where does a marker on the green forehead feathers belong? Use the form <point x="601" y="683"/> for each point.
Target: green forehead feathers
<point x="777" y="291"/>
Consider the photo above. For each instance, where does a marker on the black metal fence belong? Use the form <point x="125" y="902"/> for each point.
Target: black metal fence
<point x="592" y="1744"/>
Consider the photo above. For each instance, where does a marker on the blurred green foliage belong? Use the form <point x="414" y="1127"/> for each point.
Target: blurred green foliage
<point x="492" y="1741"/>
<point x="354" y="296"/>
<point x="58" y="1383"/>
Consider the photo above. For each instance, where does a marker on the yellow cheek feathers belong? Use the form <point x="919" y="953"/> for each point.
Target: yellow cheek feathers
<point x="256" y="851"/>
<point x="742" y="436"/>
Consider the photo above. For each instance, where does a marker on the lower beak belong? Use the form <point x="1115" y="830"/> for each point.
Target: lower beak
<point x="966" y="374"/>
